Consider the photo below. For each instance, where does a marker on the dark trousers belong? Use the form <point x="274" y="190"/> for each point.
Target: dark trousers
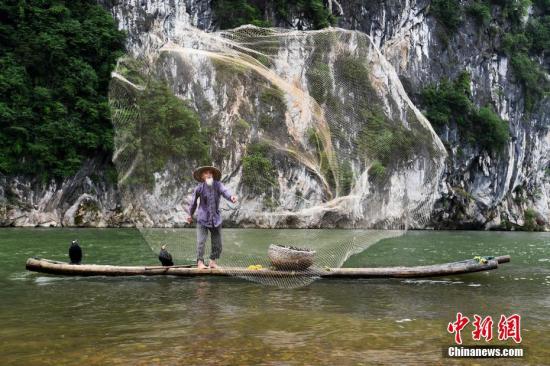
<point x="215" y="239"/>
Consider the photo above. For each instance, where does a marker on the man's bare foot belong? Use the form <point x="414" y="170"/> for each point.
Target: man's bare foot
<point x="201" y="265"/>
<point x="212" y="264"/>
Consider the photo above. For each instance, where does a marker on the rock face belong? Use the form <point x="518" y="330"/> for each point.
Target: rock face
<point x="264" y="104"/>
<point x="473" y="190"/>
<point x="477" y="191"/>
<point x="87" y="199"/>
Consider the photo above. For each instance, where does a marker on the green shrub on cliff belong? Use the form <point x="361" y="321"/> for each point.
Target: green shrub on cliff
<point x="169" y="128"/>
<point x="525" y="40"/>
<point x="272" y="109"/>
<point x="449" y="103"/>
<point x="480" y="11"/>
<point x="492" y="132"/>
<point x="530" y="221"/>
<point x="319" y="81"/>
<point x="520" y="39"/>
<point x="234" y="13"/>
<point x="538" y="33"/>
<point x="377" y="171"/>
<point x="55" y="64"/>
<point x="380" y="137"/>
<point x="346" y="177"/>
<point x="447" y="12"/>
<point x="390" y="142"/>
<point x="353" y="70"/>
<point x="449" y="100"/>
<point x="163" y="129"/>
<point x="527" y="72"/>
<point x="258" y="173"/>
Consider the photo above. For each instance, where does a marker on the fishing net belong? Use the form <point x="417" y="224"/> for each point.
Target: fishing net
<point x="311" y="130"/>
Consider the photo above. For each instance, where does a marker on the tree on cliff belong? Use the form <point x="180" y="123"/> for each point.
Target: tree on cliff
<point x="55" y="64"/>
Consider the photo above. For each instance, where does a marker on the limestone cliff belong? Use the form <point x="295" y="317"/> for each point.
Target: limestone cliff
<point x="475" y="189"/>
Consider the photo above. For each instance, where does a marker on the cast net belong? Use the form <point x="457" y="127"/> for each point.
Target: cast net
<point x="312" y="130"/>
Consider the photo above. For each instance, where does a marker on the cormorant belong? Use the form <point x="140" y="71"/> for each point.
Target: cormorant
<point x="75" y="252"/>
<point x="165" y="257"/>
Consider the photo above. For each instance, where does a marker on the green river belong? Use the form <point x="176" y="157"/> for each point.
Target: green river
<point x="49" y="320"/>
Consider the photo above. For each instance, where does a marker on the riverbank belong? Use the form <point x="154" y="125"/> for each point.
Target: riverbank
<point x="91" y="199"/>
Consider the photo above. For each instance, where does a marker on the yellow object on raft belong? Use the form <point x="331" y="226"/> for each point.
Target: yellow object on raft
<point x="255" y="267"/>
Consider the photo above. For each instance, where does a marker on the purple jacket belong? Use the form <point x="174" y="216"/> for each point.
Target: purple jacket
<point x="209" y="207"/>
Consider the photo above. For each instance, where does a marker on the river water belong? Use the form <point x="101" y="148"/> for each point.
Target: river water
<point x="49" y="320"/>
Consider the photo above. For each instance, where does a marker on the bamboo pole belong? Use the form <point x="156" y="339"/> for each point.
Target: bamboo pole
<point x="446" y="269"/>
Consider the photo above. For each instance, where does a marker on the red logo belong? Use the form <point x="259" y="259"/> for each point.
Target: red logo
<point x="483" y="328"/>
<point x="456" y="326"/>
<point x="508" y="327"/>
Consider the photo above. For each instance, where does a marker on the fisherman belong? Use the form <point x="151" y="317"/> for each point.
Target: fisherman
<point x="209" y="191"/>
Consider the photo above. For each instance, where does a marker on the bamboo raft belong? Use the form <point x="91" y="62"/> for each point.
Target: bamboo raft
<point x="446" y="269"/>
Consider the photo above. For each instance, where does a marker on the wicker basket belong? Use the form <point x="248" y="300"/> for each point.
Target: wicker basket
<point x="290" y="259"/>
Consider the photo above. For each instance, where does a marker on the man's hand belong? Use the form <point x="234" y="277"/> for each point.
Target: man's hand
<point x="190" y="220"/>
<point x="234" y="199"/>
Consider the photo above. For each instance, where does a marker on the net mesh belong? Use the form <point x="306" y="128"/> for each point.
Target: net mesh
<point x="311" y="129"/>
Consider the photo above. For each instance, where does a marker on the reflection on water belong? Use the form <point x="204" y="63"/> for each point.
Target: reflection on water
<point x="50" y="320"/>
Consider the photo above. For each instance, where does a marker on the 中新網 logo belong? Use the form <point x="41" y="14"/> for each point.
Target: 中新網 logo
<point x="509" y="327"/>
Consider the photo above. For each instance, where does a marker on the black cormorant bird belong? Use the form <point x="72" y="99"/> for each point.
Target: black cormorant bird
<point x="165" y="257"/>
<point x="75" y="252"/>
